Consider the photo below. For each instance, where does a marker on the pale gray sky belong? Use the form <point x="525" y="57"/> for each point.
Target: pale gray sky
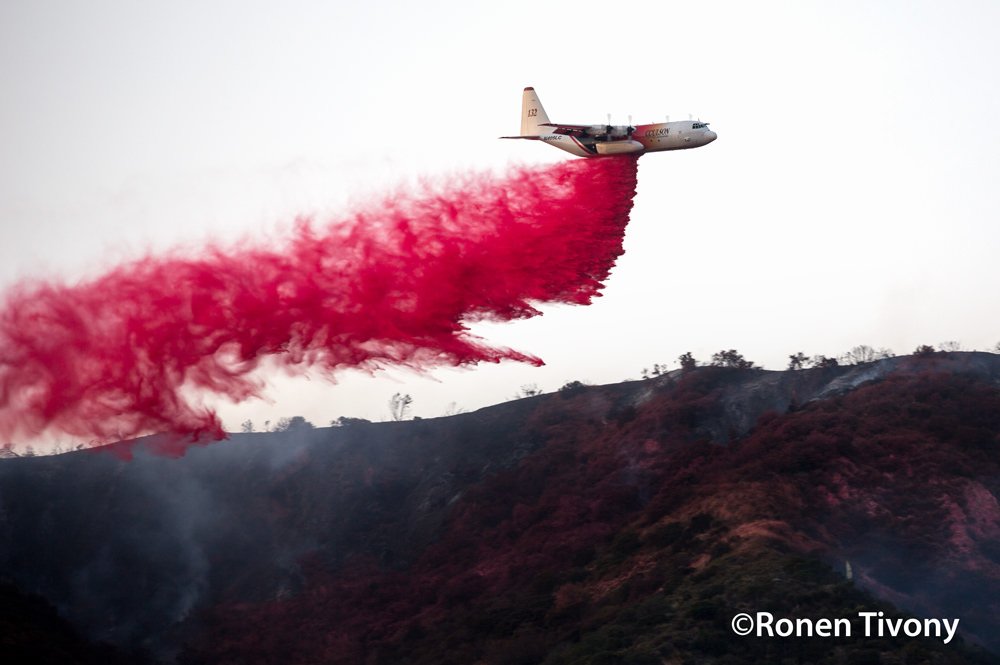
<point x="849" y="198"/>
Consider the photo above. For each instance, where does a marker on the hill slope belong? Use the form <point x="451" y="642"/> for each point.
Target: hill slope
<point x="614" y="524"/>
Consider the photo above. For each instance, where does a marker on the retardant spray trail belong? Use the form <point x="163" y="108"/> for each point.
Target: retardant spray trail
<point x="392" y="284"/>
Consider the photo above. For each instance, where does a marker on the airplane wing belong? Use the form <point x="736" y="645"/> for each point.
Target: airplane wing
<point x="571" y="130"/>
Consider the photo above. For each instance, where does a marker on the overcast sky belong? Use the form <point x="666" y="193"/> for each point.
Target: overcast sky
<point x="849" y="199"/>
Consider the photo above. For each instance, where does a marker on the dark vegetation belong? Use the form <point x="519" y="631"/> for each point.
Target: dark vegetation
<point x="637" y="541"/>
<point x="31" y="631"/>
<point x="858" y="355"/>
<point x="620" y="524"/>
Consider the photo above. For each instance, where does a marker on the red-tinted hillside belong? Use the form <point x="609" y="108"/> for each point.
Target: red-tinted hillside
<point x="614" y="524"/>
<point x="626" y="508"/>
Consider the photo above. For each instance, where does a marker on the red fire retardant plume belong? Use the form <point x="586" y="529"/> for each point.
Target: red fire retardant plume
<point x="392" y="284"/>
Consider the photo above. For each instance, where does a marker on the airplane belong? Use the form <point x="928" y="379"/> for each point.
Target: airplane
<point x="608" y="140"/>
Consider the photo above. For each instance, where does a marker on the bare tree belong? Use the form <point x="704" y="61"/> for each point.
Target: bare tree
<point x="823" y="361"/>
<point x="924" y="350"/>
<point x="797" y="360"/>
<point x="453" y="409"/>
<point x="687" y="361"/>
<point x="658" y="370"/>
<point x="859" y="355"/>
<point x="529" y="390"/>
<point x="950" y="346"/>
<point x="399" y="406"/>
<point x="246" y="426"/>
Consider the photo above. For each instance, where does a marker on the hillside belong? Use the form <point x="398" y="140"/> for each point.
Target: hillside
<point x="612" y="524"/>
<point x="31" y="631"/>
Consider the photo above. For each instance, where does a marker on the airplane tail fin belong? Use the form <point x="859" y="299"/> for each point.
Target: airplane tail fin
<point x="532" y="114"/>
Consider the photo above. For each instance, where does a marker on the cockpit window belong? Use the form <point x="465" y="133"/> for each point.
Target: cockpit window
<point x="699" y="125"/>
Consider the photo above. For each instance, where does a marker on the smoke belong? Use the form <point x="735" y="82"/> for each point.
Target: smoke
<point x="393" y="283"/>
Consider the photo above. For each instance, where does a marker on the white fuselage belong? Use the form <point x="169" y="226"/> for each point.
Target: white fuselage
<point x="677" y="135"/>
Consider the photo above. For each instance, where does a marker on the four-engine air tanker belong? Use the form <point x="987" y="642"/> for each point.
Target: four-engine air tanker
<point x="608" y="140"/>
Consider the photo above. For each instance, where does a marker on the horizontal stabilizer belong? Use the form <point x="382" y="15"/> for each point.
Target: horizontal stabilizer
<point x="530" y="138"/>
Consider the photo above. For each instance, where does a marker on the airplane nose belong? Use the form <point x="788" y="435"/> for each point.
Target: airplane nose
<point x="711" y="136"/>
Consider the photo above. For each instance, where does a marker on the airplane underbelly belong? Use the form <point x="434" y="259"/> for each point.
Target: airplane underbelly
<point x="656" y="144"/>
<point x="619" y="147"/>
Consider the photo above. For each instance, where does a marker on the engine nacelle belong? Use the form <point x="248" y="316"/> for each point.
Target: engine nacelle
<point x="619" y="147"/>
